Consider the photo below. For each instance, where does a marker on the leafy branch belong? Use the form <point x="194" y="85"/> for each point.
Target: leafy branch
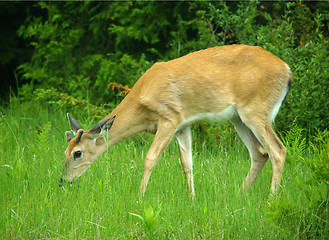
<point x="54" y="97"/>
<point x="125" y="89"/>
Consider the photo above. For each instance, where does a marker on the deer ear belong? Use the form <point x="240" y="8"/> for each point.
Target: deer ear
<point x="103" y="126"/>
<point x="75" y="126"/>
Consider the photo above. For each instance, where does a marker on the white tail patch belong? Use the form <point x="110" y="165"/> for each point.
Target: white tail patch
<point x="278" y="104"/>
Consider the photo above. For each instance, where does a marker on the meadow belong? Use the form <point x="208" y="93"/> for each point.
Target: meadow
<point x="104" y="202"/>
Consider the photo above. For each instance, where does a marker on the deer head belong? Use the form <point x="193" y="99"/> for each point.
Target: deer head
<point x="84" y="147"/>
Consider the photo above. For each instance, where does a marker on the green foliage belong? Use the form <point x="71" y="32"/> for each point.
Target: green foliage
<point x="41" y="142"/>
<point x="305" y="221"/>
<point x="220" y="135"/>
<point x="42" y="137"/>
<point x="306" y="104"/>
<point x="319" y="163"/>
<point x="295" y="142"/>
<point x="150" y="220"/>
<point x="3" y="124"/>
<point x="310" y="216"/>
<point x="53" y="97"/>
<point x="80" y="56"/>
<point x="233" y="25"/>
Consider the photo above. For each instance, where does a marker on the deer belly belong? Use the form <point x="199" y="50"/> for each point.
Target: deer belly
<point x="223" y="115"/>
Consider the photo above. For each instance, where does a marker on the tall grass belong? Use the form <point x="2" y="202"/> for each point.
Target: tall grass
<point x="104" y="203"/>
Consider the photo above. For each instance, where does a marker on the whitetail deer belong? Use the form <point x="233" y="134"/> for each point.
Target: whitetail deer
<point x="243" y="84"/>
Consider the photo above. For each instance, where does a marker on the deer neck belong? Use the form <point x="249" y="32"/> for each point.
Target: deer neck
<point x="128" y="122"/>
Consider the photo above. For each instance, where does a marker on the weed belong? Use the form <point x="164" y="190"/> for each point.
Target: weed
<point x="150" y="220"/>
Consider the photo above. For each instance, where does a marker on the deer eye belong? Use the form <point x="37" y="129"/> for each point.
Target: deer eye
<point x="77" y="154"/>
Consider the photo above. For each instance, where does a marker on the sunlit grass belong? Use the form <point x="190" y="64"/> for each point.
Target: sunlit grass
<point x="100" y="203"/>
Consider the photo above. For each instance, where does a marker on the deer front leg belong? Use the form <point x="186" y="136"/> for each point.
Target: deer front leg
<point x="162" y="138"/>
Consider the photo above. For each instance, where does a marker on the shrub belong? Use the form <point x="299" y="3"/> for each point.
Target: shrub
<point x="80" y="56"/>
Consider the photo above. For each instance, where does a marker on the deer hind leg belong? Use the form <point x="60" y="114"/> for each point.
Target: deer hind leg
<point x="277" y="155"/>
<point x="183" y="137"/>
<point x="257" y="154"/>
<point x="263" y="131"/>
<point x="162" y="138"/>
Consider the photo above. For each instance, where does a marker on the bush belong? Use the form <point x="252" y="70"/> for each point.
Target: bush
<point x="79" y="48"/>
<point x="311" y="213"/>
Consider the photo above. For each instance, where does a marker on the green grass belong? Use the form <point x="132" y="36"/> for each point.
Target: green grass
<point x="104" y="202"/>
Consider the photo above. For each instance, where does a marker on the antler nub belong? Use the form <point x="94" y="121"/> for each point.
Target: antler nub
<point x="79" y="135"/>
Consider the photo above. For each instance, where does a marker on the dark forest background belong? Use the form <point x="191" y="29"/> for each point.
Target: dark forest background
<point x="67" y="53"/>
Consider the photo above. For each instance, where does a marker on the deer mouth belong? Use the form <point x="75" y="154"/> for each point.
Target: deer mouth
<point x="62" y="182"/>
